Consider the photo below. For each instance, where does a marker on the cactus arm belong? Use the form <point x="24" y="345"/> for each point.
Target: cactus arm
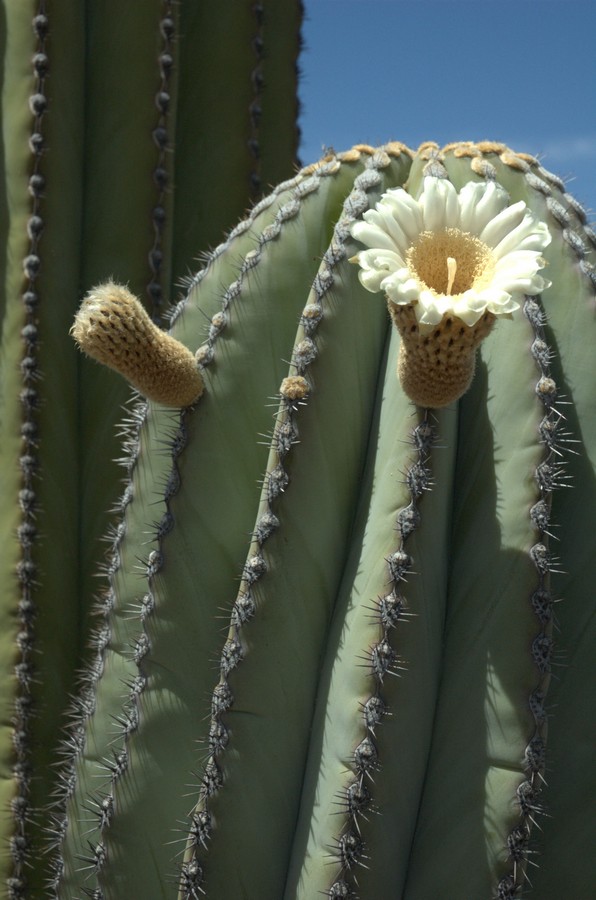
<point x="277" y="132"/>
<point x="17" y="85"/>
<point x="37" y="442"/>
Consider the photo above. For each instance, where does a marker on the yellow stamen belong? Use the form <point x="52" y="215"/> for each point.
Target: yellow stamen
<point x="470" y="263"/>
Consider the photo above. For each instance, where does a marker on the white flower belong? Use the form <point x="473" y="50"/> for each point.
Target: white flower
<point x="462" y="254"/>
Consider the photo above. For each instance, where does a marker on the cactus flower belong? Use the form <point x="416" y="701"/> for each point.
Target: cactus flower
<point x="450" y="263"/>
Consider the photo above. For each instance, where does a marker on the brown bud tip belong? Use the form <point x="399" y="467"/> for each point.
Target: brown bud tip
<point x="294" y="388"/>
<point x="112" y="327"/>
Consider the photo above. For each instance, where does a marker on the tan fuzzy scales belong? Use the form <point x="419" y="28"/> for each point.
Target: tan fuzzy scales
<point x="112" y="327"/>
<point x="436" y="367"/>
<point x="295" y="387"/>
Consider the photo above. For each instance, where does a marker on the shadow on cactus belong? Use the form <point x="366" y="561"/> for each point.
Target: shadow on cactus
<point x="325" y="649"/>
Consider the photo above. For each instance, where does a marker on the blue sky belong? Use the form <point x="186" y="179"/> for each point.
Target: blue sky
<point x="518" y="71"/>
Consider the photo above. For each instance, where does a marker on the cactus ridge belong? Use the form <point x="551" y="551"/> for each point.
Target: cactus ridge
<point x="255" y="105"/>
<point x="292" y="207"/>
<point x="161" y="136"/>
<point x="27" y="569"/>
<point x="84" y="704"/>
<point x="381" y="660"/>
<point x="294" y="394"/>
<point x="549" y="477"/>
<point x="541" y="648"/>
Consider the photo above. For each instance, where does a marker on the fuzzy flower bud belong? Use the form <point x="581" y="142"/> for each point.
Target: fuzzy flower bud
<point x="113" y="328"/>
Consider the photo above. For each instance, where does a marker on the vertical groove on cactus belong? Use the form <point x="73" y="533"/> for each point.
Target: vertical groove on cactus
<point x="27" y="570"/>
<point x="162" y="173"/>
<point x="273" y="114"/>
<point x="550" y="476"/>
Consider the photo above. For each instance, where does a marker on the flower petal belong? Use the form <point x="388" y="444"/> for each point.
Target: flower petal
<point x="440" y="207"/>
<point x="371" y="235"/>
<point x="384" y="218"/>
<point x="494" y="232"/>
<point x="479" y="203"/>
<point x="404" y="210"/>
<point x="513" y="237"/>
<point x="401" y="288"/>
<point x="528" y="235"/>
<point x="375" y="265"/>
<point x="430" y="310"/>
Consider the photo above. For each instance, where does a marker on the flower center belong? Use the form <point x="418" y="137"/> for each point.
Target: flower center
<point x="450" y="262"/>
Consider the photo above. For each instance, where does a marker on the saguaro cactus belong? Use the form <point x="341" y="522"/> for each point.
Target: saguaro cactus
<point x="120" y="122"/>
<point x="304" y="533"/>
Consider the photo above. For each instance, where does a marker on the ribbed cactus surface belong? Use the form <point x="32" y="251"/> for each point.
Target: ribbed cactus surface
<point x="330" y="618"/>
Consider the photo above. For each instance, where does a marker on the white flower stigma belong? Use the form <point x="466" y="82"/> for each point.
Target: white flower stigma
<point x="451" y="270"/>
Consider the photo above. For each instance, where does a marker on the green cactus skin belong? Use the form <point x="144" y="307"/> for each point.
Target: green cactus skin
<point x="104" y="108"/>
<point x="241" y="731"/>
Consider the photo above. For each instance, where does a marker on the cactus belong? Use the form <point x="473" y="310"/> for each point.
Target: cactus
<point x="120" y="123"/>
<point x="329" y="636"/>
<point x="330" y="639"/>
